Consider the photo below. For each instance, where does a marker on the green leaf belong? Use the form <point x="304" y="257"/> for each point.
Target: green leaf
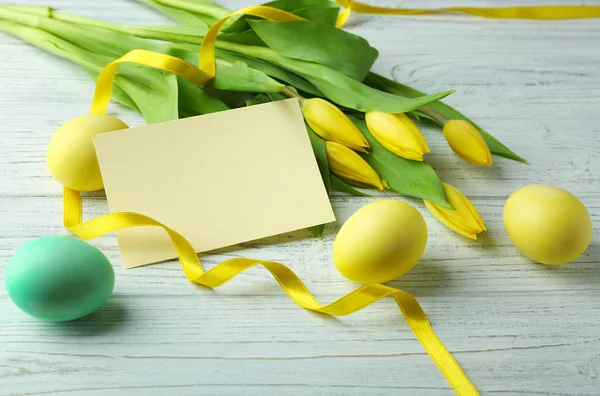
<point x="337" y="49"/>
<point x="326" y="15"/>
<point x="301" y="8"/>
<point x="231" y="98"/>
<point x="413" y="178"/>
<point x="444" y="110"/>
<point x="247" y="37"/>
<point x="319" y="230"/>
<point x="239" y="77"/>
<point x="272" y="71"/>
<point x="352" y="94"/>
<point x="193" y="100"/>
<point x="318" y="146"/>
<point x="292" y="5"/>
<point x="154" y="92"/>
<point x="418" y="115"/>
<point x="340" y="185"/>
<point x="341" y="89"/>
<point x="276" y="96"/>
<point x="258" y="99"/>
<point x="231" y="76"/>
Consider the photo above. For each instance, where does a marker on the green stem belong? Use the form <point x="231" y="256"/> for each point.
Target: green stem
<point x="440" y="119"/>
<point x="34" y="10"/>
<point x="291" y="94"/>
<point x="50" y="43"/>
<point x="24" y="18"/>
<point x="151" y="32"/>
<point x="183" y="17"/>
<point x="212" y="10"/>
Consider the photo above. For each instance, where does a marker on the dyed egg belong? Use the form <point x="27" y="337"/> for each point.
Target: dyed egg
<point x="59" y="278"/>
<point x="71" y="156"/>
<point x="380" y="242"/>
<point x="547" y="224"/>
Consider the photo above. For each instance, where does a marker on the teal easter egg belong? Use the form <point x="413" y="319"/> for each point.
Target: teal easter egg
<point x="59" y="278"/>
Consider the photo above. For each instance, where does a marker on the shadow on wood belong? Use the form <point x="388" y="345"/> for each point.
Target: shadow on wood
<point x="111" y="317"/>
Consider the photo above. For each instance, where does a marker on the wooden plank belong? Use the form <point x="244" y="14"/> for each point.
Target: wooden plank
<point x="517" y="328"/>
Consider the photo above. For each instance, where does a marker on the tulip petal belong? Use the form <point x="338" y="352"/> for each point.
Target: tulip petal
<point x="318" y="130"/>
<point x="467" y="142"/>
<point x="464" y="219"/>
<point x="434" y="210"/>
<point x="463" y="213"/>
<point x="398" y="134"/>
<point x="476" y="215"/>
<point x="416" y="133"/>
<point x="329" y="122"/>
<point x="349" y="165"/>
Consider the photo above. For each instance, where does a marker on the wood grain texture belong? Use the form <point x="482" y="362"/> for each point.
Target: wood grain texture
<point x="516" y="328"/>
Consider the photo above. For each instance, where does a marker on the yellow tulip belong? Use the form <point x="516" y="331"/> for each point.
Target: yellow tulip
<point x="332" y="124"/>
<point x="466" y="141"/>
<point x="349" y="165"/>
<point x="464" y="219"/>
<point x="397" y="133"/>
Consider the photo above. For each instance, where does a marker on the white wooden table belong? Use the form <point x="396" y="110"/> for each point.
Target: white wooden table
<point x="517" y="328"/>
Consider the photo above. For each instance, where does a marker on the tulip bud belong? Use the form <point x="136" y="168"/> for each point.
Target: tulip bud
<point x="464" y="219"/>
<point x="466" y="141"/>
<point x="349" y="165"/>
<point x="397" y="133"/>
<point x="332" y="124"/>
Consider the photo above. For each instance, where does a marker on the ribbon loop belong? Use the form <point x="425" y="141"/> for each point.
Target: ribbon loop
<point x="287" y="279"/>
<point x="207" y="49"/>
<point x="169" y="63"/>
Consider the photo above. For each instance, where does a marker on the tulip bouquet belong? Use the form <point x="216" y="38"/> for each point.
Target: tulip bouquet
<point x="360" y="123"/>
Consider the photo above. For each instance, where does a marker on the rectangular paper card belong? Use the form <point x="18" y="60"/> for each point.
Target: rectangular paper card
<point x="218" y="179"/>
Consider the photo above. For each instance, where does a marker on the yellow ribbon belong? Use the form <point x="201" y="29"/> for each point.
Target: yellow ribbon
<point x="519" y="12"/>
<point x="207" y="49"/>
<point x="104" y="83"/>
<point x="287" y="279"/>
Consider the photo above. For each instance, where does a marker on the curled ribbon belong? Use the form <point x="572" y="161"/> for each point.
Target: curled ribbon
<point x="287" y="279"/>
<point x="223" y="272"/>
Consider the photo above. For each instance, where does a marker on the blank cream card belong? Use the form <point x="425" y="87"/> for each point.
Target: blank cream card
<point x="218" y="179"/>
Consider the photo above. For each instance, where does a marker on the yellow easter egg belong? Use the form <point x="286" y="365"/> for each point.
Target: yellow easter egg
<point x="547" y="224"/>
<point x="71" y="156"/>
<point x="380" y="242"/>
